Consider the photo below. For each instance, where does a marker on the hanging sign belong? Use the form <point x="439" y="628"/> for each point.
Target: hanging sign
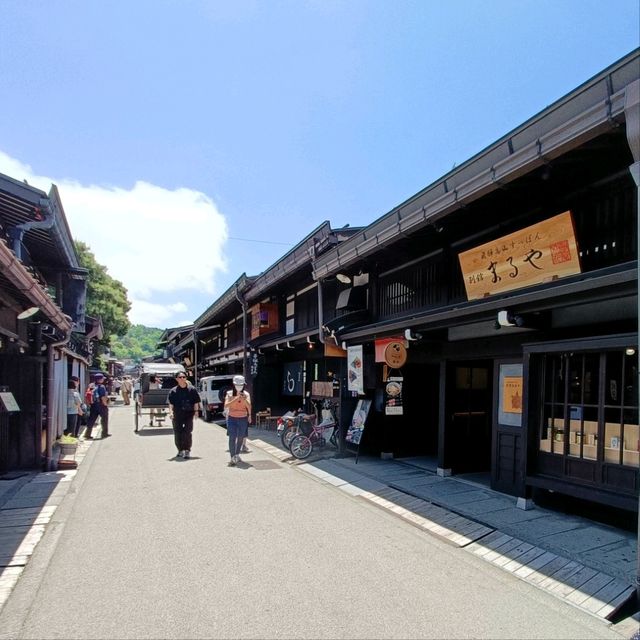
<point x="355" y="376"/>
<point x="395" y="355"/>
<point x="393" y="396"/>
<point x="292" y="379"/>
<point x="264" y="319"/>
<point x="381" y="345"/>
<point x="253" y="364"/>
<point x="332" y="350"/>
<point x="533" y="255"/>
<point x="321" y="389"/>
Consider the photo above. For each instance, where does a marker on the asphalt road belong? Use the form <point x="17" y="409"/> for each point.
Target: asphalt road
<point x="149" y="546"/>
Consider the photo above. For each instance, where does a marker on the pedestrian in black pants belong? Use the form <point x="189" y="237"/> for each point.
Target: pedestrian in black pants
<point x="184" y="401"/>
<point x="99" y="409"/>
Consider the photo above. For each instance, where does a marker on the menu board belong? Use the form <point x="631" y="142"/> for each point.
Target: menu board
<point x="393" y="396"/>
<point x="356" y="428"/>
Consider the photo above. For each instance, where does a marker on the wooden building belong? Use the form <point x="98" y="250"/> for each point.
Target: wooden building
<point x="507" y="293"/>
<point x="269" y="327"/>
<point x="45" y="336"/>
<point x="512" y="283"/>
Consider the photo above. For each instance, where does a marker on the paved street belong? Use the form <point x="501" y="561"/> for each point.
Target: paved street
<point x="144" y="545"/>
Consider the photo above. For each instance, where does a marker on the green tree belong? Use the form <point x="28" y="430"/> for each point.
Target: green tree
<point x="138" y="343"/>
<point x="106" y="297"/>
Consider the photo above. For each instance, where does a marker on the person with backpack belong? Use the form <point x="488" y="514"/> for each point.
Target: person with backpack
<point x="99" y="408"/>
<point x="88" y="394"/>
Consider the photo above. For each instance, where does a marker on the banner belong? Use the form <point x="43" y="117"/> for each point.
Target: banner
<point x="355" y="375"/>
<point x="292" y="383"/>
<point x="253" y="364"/>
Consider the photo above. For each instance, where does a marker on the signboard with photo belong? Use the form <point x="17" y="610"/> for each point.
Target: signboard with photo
<point x="393" y="396"/>
<point x="355" y="369"/>
<point x="356" y="428"/>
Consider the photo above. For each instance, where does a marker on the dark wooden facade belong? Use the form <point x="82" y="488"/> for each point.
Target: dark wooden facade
<point x="268" y="327"/>
<point x="580" y="155"/>
<point x="44" y="334"/>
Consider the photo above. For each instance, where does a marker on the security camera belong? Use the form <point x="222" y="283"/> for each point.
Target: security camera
<point x="412" y="336"/>
<point x="509" y="319"/>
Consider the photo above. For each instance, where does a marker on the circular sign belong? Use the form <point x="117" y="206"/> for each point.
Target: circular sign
<point x="395" y="354"/>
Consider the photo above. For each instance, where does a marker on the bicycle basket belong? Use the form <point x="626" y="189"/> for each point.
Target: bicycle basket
<point x="305" y="426"/>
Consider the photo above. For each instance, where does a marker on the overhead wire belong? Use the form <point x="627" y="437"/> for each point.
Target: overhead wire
<point x="288" y="244"/>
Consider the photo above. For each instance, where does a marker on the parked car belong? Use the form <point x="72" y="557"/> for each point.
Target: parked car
<point x="212" y="390"/>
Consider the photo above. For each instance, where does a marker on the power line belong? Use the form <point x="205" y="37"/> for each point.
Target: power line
<point x="288" y="244"/>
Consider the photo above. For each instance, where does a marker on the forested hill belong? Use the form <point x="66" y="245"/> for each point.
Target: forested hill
<point x="139" y="342"/>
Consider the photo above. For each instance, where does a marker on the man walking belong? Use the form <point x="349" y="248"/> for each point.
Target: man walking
<point x="184" y="401"/>
<point x="99" y="408"/>
<point x="125" y="390"/>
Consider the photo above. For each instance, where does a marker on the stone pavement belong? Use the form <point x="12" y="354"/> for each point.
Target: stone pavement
<point x="590" y="565"/>
<point x="28" y="501"/>
<point x="587" y="564"/>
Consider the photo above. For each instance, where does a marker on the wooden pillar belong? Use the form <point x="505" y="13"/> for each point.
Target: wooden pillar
<point x="444" y="456"/>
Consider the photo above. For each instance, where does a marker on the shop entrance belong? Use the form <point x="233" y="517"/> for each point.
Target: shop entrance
<point x="415" y="433"/>
<point x="469" y="409"/>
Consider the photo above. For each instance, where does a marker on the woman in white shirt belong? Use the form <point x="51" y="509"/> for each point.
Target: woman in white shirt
<point x="74" y="409"/>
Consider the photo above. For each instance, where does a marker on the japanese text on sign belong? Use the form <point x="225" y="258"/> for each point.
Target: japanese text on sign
<point x="530" y="256"/>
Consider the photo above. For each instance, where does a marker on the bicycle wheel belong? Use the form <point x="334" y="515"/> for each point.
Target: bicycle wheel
<point x="301" y="447"/>
<point x="287" y="436"/>
<point x="334" y="439"/>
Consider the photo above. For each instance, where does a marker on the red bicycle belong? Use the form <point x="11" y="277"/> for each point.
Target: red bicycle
<point x="312" y="434"/>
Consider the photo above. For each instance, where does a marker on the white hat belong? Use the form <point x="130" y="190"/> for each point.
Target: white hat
<point x="239" y="380"/>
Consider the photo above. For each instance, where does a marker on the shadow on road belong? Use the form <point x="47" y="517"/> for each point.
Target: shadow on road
<point x="155" y="431"/>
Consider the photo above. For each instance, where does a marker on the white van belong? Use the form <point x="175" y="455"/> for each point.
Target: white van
<point x="212" y="390"/>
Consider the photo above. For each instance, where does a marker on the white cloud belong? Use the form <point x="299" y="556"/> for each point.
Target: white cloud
<point x="155" y="315"/>
<point x="150" y="238"/>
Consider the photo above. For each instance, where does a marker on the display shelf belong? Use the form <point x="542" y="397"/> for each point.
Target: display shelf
<point x="545" y="445"/>
<point x="580" y="431"/>
<point x="630" y="458"/>
<point x="589" y="451"/>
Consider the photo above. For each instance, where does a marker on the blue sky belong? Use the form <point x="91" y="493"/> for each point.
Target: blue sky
<point x="196" y="140"/>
